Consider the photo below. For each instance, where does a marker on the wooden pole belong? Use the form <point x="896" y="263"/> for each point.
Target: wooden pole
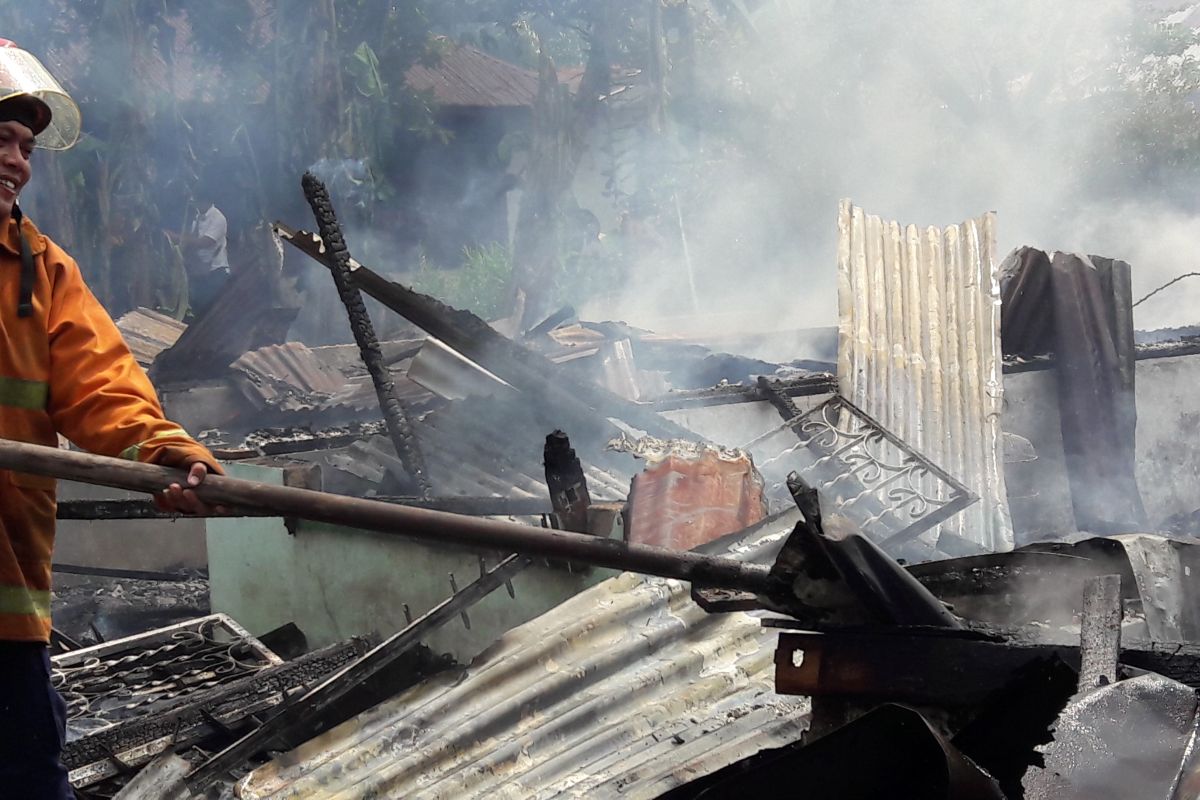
<point x="417" y="523"/>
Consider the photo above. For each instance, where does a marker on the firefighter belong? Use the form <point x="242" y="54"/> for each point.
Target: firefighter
<point x="63" y="369"/>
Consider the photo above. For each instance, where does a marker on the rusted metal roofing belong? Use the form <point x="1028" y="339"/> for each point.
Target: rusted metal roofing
<point x="465" y="76"/>
<point x="626" y="690"/>
<point x="148" y="333"/>
<point x="919" y="350"/>
<point x="276" y="374"/>
<point x="486" y="447"/>
<point x="691" y="494"/>
<point x="256" y="307"/>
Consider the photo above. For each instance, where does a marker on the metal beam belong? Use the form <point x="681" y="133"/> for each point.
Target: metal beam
<point x="938" y="667"/>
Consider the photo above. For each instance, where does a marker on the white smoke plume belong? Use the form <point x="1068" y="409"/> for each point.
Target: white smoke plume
<point x="929" y="112"/>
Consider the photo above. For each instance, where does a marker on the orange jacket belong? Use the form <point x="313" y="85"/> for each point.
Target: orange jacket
<point x="65" y="369"/>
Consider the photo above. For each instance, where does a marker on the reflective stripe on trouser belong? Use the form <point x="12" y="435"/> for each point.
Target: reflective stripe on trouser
<point x="25" y="601"/>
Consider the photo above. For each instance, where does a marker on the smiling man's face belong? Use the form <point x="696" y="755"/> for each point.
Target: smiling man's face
<point x="16" y="148"/>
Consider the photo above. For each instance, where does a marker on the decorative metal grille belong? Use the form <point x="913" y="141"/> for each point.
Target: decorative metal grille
<point x="138" y="675"/>
<point x="863" y="471"/>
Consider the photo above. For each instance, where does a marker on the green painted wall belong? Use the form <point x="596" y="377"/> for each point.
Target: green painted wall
<point x="250" y="562"/>
<point x="337" y="582"/>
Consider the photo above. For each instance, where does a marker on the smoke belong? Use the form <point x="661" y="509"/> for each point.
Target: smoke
<point x="1159" y="240"/>
<point x="928" y="112"/>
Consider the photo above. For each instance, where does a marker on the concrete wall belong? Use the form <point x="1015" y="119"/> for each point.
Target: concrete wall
<point x="1168" y="435"/>
<point x="142" y="544"/>
<point x="338" y="582"/>
<point x="1039" y="496"/>
<point x="1168" y="445"/>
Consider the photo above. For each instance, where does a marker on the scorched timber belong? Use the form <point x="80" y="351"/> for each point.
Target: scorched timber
<point x="938" y="669"/>
<point x="394" y="414"/>
<point x="526" y="370"/>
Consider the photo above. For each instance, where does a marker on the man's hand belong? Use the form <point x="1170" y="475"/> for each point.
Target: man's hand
<point x="177" y="499"/>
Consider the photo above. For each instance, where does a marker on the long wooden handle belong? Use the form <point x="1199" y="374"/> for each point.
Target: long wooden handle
<point x="417" y="523"/>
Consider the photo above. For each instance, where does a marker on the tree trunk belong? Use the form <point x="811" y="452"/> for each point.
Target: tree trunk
<point x="561" y="126"/>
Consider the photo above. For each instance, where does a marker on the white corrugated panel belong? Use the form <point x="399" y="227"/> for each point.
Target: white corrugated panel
<point x="626" y="690"/>
<point x="919" y="350"/>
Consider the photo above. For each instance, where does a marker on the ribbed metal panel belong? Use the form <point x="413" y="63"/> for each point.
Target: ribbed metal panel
<point x="626" y="690"/>
<point x="919" y="350"/>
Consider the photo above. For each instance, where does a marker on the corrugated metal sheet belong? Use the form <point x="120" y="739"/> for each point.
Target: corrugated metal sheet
<point x="624" y="691"/>
<point x="465" y="76"/>
<point x="482" y="447"/>
<point x="919" y="350"/>
<point x="255" y="308"/>
<point x="148" y="333"/>
<point x="359" y="393"/>
<point x="279" y="374"/>
<point x="1080" y="309"/>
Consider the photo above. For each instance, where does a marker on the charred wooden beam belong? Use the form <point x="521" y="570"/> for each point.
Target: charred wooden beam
<point x="779" y="400"/>
<point x="938" y="668"/>
<point x="469" y="506"/>
<point x="129" y="574"/>
<point x="581" y="401"/>
<point x="279" y="443"/>
<point x="737" y="393"/>
<point x="1100" y="632"/>
<point x="399" y="426"/>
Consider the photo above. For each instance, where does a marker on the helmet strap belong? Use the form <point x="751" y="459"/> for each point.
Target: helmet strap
<point x="25" y="299"/>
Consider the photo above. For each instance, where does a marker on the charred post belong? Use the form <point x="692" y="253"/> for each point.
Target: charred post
<point x="528" y="371"/>
<point x="399" y="428"/>
<point x="567" y="483"/>
<point x="1100" y="632"/>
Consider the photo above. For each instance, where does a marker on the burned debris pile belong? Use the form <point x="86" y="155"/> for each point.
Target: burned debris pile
<point x="939" y="572"/>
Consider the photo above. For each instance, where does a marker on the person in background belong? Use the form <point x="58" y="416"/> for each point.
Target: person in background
<point x="64" y="369"/>
<point x="205" y="252"/>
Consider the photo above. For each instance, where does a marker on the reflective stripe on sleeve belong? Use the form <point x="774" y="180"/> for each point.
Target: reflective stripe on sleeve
<point x="132" y="452"/>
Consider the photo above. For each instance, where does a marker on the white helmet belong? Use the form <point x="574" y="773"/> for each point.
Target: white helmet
<point x="37" y="99"/>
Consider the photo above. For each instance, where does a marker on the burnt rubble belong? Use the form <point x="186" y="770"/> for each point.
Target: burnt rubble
<point x="844" y="623"/>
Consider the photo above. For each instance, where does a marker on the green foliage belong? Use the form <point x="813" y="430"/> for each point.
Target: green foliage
<point x="364" y="67"/>
<point x="250" y="92"/>
<point x="596" y="269"/>
<point x="479" y="284"/>
<point x="264" y="88"/>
